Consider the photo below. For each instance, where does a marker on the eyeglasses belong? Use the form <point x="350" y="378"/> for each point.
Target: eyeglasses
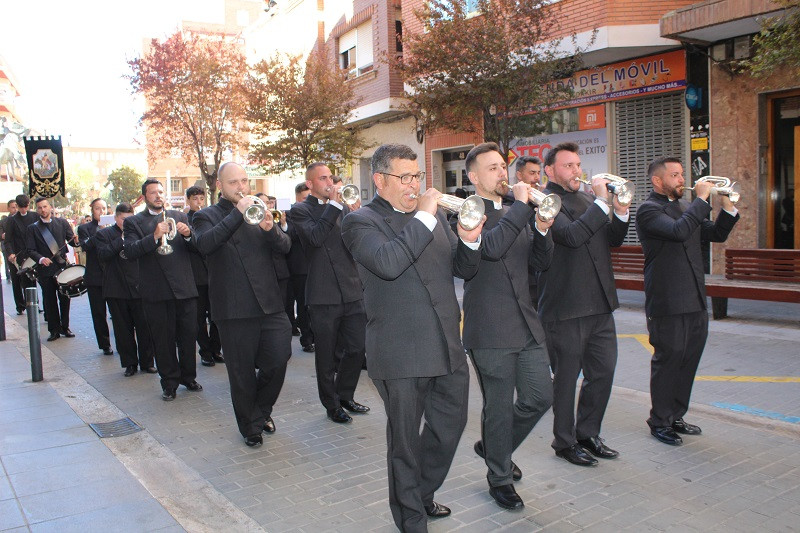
<point x="405" y="179"/>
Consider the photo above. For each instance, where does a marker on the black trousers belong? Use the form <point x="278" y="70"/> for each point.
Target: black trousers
<point x="56" y="305"/>
<point x="131" y="333"/>
<point x="256" y="352"/>
<point x="303" y="321"/>
<point x="18" y="285"/>
<point x="506" y="421"/>
<point x="173" y="323"/>
<point x="587" y="344"/>
<point x="97" y="304"/>
<point x="207" y="333"/>
<point x="418" y="462"/>
<point x="678" y="341"/>
<point x="337" y="379"/>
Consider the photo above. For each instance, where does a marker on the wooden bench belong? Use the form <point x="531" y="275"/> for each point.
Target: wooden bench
<point x="750" y="274"/>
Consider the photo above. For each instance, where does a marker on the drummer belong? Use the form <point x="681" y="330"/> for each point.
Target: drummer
<point x="47" y="245"/>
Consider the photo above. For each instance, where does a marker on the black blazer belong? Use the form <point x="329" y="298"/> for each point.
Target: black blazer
<point x="86" y="232"/>
<point x="241" y="274"/>
<point x="199" y="268"/>
<point x="407" y="273"/>
<point x="498" y="311"/>
<point x="296" y="258"/>
<point x="332" y="275"/>
<point x="580" y="280"/>
<point x="166" y="277"/>
<point x="120" y="276"/>
<point x="17" y="234"/>
<point x="37" y="247"/>
<point x="671" y="232"/>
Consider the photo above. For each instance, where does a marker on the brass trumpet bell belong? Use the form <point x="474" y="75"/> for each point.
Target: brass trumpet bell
<point x="165" y="248"/>
<point x="622" y="188"/>
<point x="722" y="186"/>
<point x="548" y="204"/>
<point x="254" y="214"/>
<point x="470" y="209"/>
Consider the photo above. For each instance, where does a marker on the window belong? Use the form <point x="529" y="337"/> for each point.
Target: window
<point x="355" y="50"/>
<point x="398" y="30"/>
<point x="175" y="187"/>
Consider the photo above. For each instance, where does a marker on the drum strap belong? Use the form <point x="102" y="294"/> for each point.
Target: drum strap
<point x="51" y="243"/>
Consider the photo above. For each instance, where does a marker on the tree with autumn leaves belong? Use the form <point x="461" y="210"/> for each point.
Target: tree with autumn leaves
<point x="195" y="93"/>
<point x="487" y="66"/>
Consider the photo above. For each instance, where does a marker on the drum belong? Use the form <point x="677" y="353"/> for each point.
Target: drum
<point x="70" y="281"/>
<point x="28" y="269"/>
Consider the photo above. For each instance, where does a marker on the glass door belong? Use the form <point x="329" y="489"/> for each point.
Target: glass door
<point x="783" y="230"/>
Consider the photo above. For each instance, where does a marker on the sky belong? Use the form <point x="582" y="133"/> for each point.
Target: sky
<point x="69" y="58"/>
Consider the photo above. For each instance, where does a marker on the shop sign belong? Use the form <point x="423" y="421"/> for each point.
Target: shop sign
<point x="592" y="117"/>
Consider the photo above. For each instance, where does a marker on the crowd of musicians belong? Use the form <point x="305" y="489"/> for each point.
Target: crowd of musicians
<point x="376" y="283"/>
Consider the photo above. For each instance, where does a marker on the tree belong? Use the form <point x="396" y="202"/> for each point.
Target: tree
<point x="300" y="112"/>
<point x="194" y="90"/>
<point x="777" y="45"/>
<point x="490" y="73"/>
<point x="127" y="184"/>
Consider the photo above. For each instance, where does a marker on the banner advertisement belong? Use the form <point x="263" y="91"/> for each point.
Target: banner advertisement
<point x="593" y="149"/>
<point x="46" y="164"/>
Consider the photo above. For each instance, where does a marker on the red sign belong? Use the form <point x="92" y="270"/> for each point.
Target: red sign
<point x="592" y="117"/>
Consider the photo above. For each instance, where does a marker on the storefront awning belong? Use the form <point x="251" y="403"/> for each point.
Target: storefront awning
<point x="716" y="20"/>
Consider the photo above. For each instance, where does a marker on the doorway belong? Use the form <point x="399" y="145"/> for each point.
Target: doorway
<point x="783" y="175"/>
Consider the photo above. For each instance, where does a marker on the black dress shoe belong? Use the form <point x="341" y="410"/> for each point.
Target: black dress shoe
<point x="130" y="370"/>
<point x="21" y="311"/>
<point x="192" y="385"/>
<point x="354" y="407"/>
<point x="576" y="455"/>
<point x="53" y="336"/>
<point x="295" y="332"/>
<point x="339" y="416"/>
<point x="309" y="348"/>
<point x="254" y="441"/>
<point x="269" y="425"/>
<point x="206" y="361"/>
<point x="150" y="370"/>
<point x="168" y="395"/>
<point x="666" y="435"/>
<point x="108" y="351"/>
<point x="437" y="510"/>
<point x="516" y="473"/>
<point x="506" y="497"/>
<point x="67" y="333"/>
<point x="685" y="429"/>
<point x="217" y="357"/>
<point x="596" y="447"/>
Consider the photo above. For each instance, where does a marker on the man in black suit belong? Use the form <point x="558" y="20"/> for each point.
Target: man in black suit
<point x="407" y="257"/>
<point x="47" y="245"/>
<point x="252" y="322"/>
<point x="207" y="333"/>
<point x="528" y="169"/>
<point x="169" y="295"/>
<point x="12" y="210"/>
<point x="121" y="291"/>
<point x="671" y="230"/>
<point x="16" y="243"/>
<point x="93" y="277"/>
<point x="298" y="270"/>
<point x="333" y="294"/>
<point x="281" y="264"/>
<point x="577" y="296"/>
<point x="502" y="332"/>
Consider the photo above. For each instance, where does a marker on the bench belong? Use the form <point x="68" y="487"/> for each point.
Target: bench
<point x="750" y="274"/>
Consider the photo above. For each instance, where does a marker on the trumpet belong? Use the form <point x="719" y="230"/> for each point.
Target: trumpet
<point x="549" y="204"/>
<point x="621" y="187"/>
<point x="165" y="248"/>
<point x="470" y="209"/>
<point x="349" y="194"/>
<point x="254" y="214"/>
<point x="722" y="186"/>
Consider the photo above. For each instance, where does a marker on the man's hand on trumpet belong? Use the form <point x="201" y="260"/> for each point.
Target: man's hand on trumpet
<point x="522" y="192"/>
<point x="183" y="229"/>
<point x="268" y="223"/>
<point x="244" y="203"/>
<point x="428" y="201"/>
<point x="161" y="228"/>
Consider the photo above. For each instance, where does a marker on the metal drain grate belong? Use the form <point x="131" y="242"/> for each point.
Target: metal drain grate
<point x="117" y="428"/>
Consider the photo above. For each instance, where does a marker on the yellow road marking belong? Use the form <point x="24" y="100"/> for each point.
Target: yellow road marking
<point x="643" y="339"/>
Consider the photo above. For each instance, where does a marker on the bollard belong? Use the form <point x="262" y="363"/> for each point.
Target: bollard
<point x="34" y="341"/>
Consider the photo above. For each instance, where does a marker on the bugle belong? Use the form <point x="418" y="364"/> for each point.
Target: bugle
<point x="722" y="186"/>
<point x="549" y="204"/>
<point x="470" y="209"/>
<point x="622" y="188"/>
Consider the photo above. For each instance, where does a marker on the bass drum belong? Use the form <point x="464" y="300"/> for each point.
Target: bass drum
<point x="70" y="281"/>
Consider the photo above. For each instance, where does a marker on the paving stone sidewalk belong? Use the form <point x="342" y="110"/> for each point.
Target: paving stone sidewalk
<point x="742" y="474"/>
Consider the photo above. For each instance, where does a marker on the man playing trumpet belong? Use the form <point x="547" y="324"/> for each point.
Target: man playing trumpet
<point x="502" y="332"/>
<point x="670" y="229"/>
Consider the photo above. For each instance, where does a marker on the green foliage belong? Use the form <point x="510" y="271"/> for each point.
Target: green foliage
<point x="484" y="71"/>
<point x="127" y="185"/>
<point x="777" y="45"/>
<point x="299" y="111"/>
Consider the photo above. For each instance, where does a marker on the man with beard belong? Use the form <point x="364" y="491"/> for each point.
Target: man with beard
<point x="93" y="277"/>
<point x="253" y="326"/>
<point x="671" y="230"/>
<point x="169" y="295"/>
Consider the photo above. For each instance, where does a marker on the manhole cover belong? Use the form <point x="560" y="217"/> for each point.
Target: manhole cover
<point x="117" y="428"/>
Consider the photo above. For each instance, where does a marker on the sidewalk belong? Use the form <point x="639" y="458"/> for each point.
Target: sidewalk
<point x="189" y="470"/>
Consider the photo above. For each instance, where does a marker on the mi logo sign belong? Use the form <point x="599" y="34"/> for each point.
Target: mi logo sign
<point x="592" y="117"/>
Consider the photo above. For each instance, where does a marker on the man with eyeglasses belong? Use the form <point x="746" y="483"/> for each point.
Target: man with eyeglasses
<point x="577" y="296"/>
<point x="407" y="257"/>
<point x="333" y="294"/>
